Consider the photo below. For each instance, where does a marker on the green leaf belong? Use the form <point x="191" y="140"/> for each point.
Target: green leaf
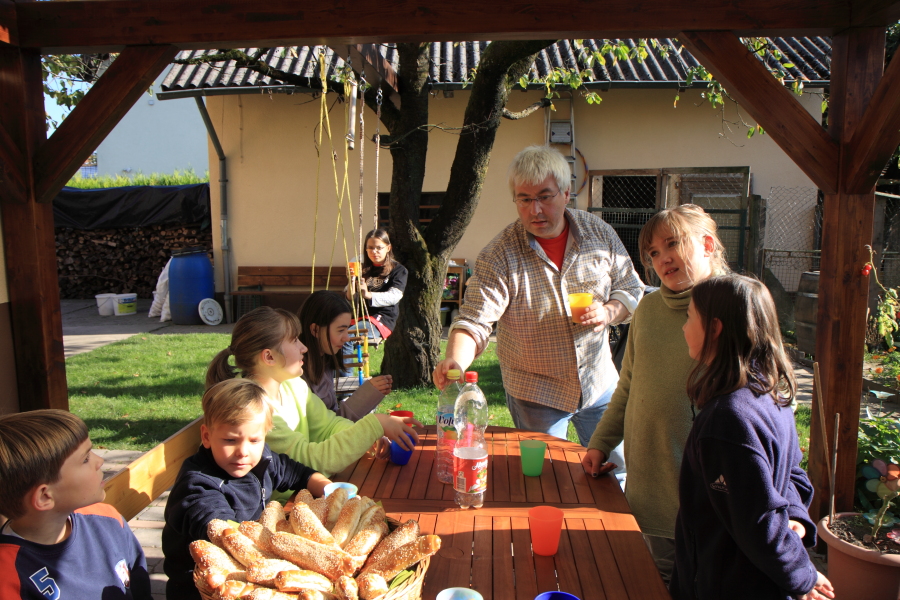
<point x="400" y="578"/>
<point x="750" y="132"/>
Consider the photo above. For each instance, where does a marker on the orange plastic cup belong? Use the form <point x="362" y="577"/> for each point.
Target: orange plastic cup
<point x="579" y="303"/>
<point x="353" y="267"/>
<point x="545" y="523"/>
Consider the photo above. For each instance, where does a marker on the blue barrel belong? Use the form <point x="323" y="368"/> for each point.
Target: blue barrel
<point x="190" y="281"/>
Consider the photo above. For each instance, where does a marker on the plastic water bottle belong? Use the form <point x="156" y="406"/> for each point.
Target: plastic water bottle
<point x="470" y="459"/>
<point x="446" y="430"/>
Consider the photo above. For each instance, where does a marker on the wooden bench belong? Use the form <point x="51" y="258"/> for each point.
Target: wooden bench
<point x="133" y="488"/>
<point x="269" y="284"/>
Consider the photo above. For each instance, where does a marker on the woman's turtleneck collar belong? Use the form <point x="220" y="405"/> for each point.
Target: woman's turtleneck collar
<point x="676" y="300"/>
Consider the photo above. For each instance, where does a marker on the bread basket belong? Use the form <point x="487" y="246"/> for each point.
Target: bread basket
<point x="411" y="589"/>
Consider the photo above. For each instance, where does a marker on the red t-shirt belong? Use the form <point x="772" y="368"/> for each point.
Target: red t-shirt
<point x="556" y="247"/>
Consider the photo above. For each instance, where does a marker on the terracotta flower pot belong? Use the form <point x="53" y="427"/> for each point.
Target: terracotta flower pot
<point x="858" y="572"/>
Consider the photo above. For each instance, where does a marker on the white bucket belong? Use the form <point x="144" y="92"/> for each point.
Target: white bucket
<point x="126" y="304"/>
<point x="105" y="303"/>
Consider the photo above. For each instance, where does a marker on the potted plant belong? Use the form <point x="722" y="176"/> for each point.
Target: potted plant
<point x="864" y="548"/>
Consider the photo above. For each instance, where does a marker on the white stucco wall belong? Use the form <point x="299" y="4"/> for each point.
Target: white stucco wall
<point x="155" y="136"/>
<point x="269" y="143"/>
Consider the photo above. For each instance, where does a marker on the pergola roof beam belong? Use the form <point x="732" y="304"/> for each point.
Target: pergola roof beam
<point x="129" y="76"/>
<point x="90" y="26"/>
<point x="770" y="103"/>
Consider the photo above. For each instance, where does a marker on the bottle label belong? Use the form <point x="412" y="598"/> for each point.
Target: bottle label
<point x="445" y="422"/>
<point x="470" y="467"/>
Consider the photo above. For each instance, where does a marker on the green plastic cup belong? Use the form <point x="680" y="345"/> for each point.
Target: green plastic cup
<point x="532" y="456"/>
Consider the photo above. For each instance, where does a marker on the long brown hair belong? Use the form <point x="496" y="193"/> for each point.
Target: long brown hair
<point x="748" y="351"/>
<point x="321" y="309"/>
<point x="261" y="328"/>
<point x="368" y="267"/>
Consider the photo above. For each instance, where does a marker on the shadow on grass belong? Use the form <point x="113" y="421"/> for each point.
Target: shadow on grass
<point x="112" y="432"/>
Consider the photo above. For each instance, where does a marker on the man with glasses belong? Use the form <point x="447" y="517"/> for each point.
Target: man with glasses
<point x="554" y="371"/>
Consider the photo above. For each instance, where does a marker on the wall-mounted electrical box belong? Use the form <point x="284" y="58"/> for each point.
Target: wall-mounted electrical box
<point x="560" y="132"/>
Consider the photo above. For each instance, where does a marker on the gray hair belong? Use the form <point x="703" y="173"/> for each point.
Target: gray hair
<point x="535" y="163"/>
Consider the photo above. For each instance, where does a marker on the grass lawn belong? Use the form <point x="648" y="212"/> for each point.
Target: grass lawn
<point x="135" y="393"/>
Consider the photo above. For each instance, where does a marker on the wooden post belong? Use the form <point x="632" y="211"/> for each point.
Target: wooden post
<point x="28" y="238"/>
<point x="857" y="65"/>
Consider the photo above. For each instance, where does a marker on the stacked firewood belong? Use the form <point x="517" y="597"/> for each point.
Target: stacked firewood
<point x="119" y="260"/>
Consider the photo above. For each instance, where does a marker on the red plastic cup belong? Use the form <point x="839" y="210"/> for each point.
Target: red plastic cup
<point x="545" y="523"/>
<point x="401" y="413"/>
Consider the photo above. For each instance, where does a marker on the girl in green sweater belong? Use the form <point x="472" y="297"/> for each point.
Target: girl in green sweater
<point x="266" y="348"/>
<point x="650" y="409"/>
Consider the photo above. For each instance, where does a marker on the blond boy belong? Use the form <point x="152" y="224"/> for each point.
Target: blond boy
<point x="61" y="541"/>
<point x="231" y="477"/>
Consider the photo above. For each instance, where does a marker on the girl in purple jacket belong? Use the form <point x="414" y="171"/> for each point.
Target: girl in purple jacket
<point x="743" y="522"/>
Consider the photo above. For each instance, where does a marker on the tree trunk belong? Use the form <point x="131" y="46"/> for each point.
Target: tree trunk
<point x="414" y="349"/>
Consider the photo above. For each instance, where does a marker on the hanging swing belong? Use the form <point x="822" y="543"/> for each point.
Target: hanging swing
<point x="359" y="311"/>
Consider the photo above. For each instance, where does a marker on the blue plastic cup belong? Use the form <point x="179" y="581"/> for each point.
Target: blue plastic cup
<point x="351" y="489"/>
<point x="399" y="456"/>
<point x="556" y="596"/>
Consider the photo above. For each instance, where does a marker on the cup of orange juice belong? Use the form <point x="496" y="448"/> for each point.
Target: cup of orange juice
<point x="579" y="303"/>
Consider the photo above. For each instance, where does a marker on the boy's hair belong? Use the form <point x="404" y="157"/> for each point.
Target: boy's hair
<point x="534" y="164"/>
<point x="748" y="351"/>
<point x="321" y="308"/>
<point x="233" y="402"/>
<point x="687" y="222"/>
<point x="33" y="447"/>
<point x="261" y="328"/>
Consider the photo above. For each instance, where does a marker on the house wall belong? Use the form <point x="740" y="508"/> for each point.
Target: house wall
<point x="155" y="136"/>
<point x="269" y="143"/>
<point x="9" y="399"/>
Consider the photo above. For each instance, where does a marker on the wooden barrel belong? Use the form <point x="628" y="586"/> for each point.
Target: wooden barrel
<point x="806" y="311"/>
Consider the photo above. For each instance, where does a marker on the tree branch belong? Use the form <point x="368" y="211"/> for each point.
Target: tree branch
<point x="514" y="116"/>
<point x="245" y="61"/>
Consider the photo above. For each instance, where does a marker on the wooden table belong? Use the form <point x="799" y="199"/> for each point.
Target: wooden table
<point x="601" y="552"/>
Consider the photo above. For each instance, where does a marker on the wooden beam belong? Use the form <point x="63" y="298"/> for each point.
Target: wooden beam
<point x="29" y="243"/>
<point x="12" y="168"/>
<point x="373" y="58"/>
<point x="108" y="26"/>
<point x="9" y="31"/>
<point x="843" y="290"/>
<point x="771" y="104"/>
<point x="877" y="135"/>
<point x="872" y="13"/>
<point x="113" y="95"/>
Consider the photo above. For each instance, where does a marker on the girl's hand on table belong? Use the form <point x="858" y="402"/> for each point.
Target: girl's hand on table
<point x="594" y="462"/>
<point x="383" y="383"/>
<point x="397" y="428"/>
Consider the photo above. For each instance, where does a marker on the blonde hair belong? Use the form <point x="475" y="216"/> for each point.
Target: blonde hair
<point x="260" y="329"/>
<point x="686" y="223"/>
<point x="33" y="447"/>
<point x="534" y="164"/>
<point x="234" y="402"/>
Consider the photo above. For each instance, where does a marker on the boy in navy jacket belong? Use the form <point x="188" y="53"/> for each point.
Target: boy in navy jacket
<point x="231" y="477"/>
<point x="61" y="541"/>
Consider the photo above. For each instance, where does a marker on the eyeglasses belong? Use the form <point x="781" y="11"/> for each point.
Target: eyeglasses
<point x="543" y="200"/>
<point x="376" y="248"/>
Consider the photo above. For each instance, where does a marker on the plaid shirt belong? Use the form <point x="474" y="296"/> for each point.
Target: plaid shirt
<point x="544" y="358"/>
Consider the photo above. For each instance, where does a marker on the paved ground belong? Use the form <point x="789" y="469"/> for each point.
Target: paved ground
<point x="84" y="329"/>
